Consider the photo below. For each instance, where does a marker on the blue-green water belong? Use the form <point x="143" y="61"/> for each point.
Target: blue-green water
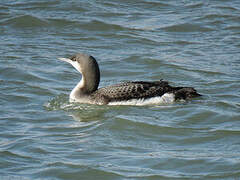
<point x="188" y="43"/>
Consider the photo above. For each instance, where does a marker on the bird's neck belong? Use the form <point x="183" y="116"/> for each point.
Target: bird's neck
<point x="87" y="85"/>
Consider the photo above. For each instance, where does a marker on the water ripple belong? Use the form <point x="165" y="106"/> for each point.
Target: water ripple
<point x="187" y="28"/>
<point x="43" y="136"/>
<point x="23" y="22"/>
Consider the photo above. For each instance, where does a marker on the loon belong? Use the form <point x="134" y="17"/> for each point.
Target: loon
<point x="126" y="93"/>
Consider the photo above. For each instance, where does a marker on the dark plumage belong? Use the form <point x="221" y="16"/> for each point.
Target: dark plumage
<point x="141" y="90"/>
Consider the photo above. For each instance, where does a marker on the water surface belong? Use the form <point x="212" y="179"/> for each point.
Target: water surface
<point x="188" y="43"/>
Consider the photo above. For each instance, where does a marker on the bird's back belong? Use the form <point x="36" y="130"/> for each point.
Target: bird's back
<point x="132" y="90"/>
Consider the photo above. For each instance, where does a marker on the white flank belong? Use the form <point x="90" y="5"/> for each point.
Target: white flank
<point x="164" y="99"/>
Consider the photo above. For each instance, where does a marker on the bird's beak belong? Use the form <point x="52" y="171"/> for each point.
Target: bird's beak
<point x="65" y="59"/>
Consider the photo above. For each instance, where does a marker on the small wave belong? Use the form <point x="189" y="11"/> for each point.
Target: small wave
<point x="61" y="102"/>
<point x="234" y="28"/>
<point x="87" y="169"/>
<point x="230" y="8"/>
<point x="101" y="26"/>
<point x="26" y="21"/>
<point x="16" y="154"/>
<point x="195" y="5"/>
<point x="79" y="112"/>
<point x="224" y="83"/>
<point x="58" y="103"/>
<point x="61" y="22"/>
<point x="30" y="4"/>
<point x="226" y="131"/>
<point x="186" y="28"/>
<point x="214" y="17"/>
<point x="89" y="25"/>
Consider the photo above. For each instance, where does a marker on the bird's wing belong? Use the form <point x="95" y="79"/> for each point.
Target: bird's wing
<point x="133" y="90"/>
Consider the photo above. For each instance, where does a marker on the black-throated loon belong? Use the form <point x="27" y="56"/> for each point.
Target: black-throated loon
<point x="127" y="93"/>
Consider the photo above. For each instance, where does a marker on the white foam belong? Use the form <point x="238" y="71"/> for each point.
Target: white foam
<point x="167" y="98"/>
